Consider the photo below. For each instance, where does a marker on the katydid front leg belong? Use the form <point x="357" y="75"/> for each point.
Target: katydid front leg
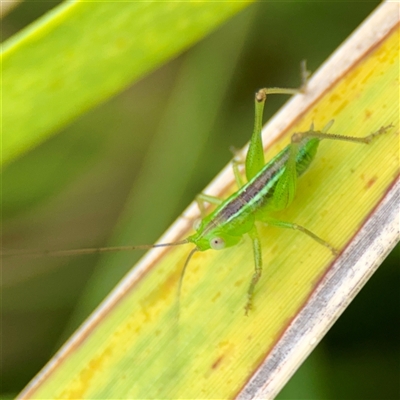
<point x="257" y="267"/>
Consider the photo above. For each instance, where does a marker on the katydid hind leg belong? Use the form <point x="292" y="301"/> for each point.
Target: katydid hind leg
<point x="287" y="184"/>
<point x="255" y="154"/>
<point x="298" y="137"/>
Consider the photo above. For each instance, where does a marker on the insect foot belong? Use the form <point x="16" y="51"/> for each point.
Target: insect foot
<point x="249" y="306"/>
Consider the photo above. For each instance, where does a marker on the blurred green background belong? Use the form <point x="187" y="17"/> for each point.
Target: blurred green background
<point x="124" y="171"/>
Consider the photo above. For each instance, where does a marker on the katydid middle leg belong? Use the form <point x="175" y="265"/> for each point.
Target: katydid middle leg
<point x="289" y="225"/>
<point x="206" y="198"/>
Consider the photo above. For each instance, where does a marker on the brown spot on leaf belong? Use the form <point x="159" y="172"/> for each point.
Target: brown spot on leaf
<point x="217" y="362"/>
<point x="371" y="182"/>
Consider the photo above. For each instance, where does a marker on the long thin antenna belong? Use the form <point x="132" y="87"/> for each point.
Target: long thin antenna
<point x="181" y="281"/>
<point x="62" y="253"/>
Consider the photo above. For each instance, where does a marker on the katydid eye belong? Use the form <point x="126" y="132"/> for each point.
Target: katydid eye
<point x="196" y="224"/>
<point x="217" y="243"/>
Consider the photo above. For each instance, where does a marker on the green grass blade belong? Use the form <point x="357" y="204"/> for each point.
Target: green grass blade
<point x="81" y="53"/>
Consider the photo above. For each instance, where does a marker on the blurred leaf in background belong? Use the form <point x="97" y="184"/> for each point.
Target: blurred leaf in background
<point x="125" y="170"/>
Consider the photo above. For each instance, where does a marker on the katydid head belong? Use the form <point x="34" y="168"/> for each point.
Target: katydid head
<point x="208" y="236"/>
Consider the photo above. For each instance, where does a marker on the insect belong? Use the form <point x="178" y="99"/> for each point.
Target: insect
<point x="270" y="187"/>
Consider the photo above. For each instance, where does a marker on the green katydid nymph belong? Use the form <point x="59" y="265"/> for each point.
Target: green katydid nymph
<point x="270" y="187"/>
